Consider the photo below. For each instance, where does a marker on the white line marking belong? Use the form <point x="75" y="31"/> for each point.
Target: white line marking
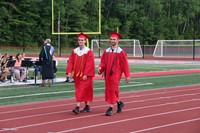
<point x="54" y="106"/>
<point x="130" y="119"/>
<point x="139" y="108"/>
<point x="138" y="91"/>
<point x="61" y="92"/>
<point x="166" y="125"/>
<point x="37" y="94"/>
<point x="167" y="76"/>
<point x="138" y="101"/>
<point x="9" y="129"/>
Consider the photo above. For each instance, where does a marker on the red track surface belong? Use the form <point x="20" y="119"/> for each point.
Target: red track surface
<point x="168" y="110"/>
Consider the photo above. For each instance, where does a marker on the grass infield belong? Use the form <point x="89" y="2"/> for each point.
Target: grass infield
<point x="30" y="93"/>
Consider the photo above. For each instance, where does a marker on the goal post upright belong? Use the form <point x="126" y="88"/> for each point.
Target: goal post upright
<point x="134" y="48"/>
<point x="131" y="46"/>
<point x="161" y="48"/>
<point x="60" y="32"/>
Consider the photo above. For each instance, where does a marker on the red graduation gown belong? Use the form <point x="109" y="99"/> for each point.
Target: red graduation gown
<point x="81" y="62"/>
<point x="116" y="62"/>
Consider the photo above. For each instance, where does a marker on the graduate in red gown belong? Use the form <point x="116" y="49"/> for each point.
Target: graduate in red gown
<point x="82" y="68"/>
<point x="113" y="63"/>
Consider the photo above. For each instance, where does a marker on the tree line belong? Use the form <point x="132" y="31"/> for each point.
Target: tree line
<point x="28" y="22"/>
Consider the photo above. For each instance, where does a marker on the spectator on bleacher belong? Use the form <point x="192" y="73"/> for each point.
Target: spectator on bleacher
<point x="4" y="59"/>
<point x="23" y="56"/>
<point x="19" y="72"/>
<point x="4" y="68"/>
<point x="46" y="57"/>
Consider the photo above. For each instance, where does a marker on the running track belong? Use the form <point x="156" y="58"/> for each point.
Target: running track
<point x="166" y="110"/>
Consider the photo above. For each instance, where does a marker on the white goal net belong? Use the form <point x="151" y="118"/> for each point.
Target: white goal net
<point x="130" y="46"/>
<point x="177" y="48"/>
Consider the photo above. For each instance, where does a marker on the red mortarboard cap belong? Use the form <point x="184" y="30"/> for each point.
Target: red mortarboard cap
<point x="82" y="35"/>
<point x="115" y="34"/>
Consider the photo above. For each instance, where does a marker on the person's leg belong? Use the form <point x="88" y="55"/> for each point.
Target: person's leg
<point x="109" y="111"/>
<point x="12" y="75"/>
<point x="76" y="109"/>
<point x="43" y="83"/>
<point x="49" y="82"/>
<point x="2" y="77"/>
<point x="86" y="108"/>
<point x="120" y="105"/>
<point x="24" y="73"/>
<point x="17" y="74"/>
<point x="6" y="70"/>
<point x="4" y="74"/>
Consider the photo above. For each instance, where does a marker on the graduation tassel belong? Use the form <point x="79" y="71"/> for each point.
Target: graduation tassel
<point x="87" y="43"/>
<point x="82" y="60"/>
<point x="80" y="75"/>
<point x="77" y="74"/>
<point x="74" y="66"/>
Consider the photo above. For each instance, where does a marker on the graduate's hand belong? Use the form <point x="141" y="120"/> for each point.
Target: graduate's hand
<point x="84" y="77"/>
<point x="69" y="75"/>
<point x="99" y="70"/>
<point x="127" y="79"/>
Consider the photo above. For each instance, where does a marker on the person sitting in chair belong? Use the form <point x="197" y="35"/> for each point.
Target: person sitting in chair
<point x="4" y="69"/>
<point x="19" y="72"/>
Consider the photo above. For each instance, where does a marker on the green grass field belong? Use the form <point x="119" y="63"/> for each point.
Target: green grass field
<point x="30" y="93"/>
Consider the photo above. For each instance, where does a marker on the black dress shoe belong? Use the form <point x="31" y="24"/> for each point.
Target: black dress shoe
<point x="86" y="109"/>
<point x="76" y="110"/>
<point x="25" y="80"/>
<point x="109" y="112"/>
<point x="120" y="105"/>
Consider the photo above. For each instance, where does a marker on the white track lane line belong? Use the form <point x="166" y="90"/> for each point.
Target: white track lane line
<point x="166" y="125"/>
<point x="136" y="95"/>
<point x="61" y="92"/>
<point x="134" y="91"/>
<point x="130" y="119"/>
<point x="99" y="114"/>
<point x="137" y="101"/>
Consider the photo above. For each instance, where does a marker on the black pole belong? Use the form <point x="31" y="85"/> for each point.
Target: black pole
<point x="23" y="38"/>
<point x="60" y="49"/>
<point x="143" y="34"/>
<point x="23" y="29"/>
<point x="194" y="38"/>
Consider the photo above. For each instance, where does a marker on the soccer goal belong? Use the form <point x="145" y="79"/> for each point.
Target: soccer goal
<point x="130" y="46"/>
<point x="177" y="48"/>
